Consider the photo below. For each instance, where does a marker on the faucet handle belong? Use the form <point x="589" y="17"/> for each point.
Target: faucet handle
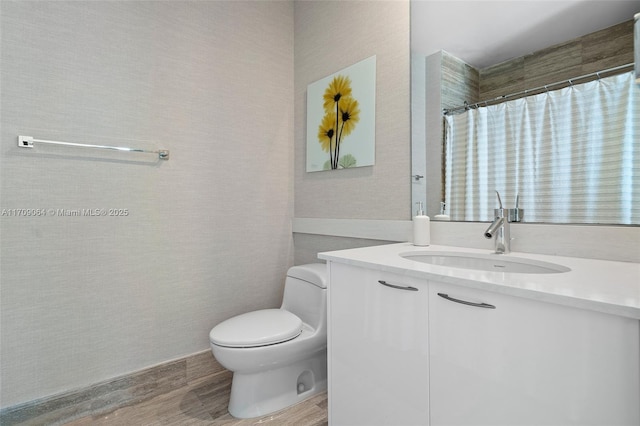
<point x="516" y="214"/>
<point x="499" y="200"/>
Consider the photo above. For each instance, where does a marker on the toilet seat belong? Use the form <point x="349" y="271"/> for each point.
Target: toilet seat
<point x="257" y="328"/>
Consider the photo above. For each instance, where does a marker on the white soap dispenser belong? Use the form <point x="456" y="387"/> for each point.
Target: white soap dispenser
<point x="421" y="227"/>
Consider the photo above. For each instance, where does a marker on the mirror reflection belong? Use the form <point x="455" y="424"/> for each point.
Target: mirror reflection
<point x="554" y="128"/>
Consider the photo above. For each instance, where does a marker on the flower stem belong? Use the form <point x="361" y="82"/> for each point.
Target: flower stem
<point x="338" y="140"/>
<point x="334" y="162"/>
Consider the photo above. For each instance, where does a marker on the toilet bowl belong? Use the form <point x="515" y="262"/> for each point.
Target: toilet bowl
<point x="278" y="356"/>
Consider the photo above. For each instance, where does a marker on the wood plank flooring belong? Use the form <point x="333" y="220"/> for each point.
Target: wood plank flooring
<point x="204" y="402"/>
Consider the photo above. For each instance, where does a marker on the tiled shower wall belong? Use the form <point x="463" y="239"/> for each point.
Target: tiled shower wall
<point x="460" y="82"/>
<point x="607" y="48"/>
<point x="591" y="53"/>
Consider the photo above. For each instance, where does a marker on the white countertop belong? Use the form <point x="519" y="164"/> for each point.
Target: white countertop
<point x="599" y="285"/>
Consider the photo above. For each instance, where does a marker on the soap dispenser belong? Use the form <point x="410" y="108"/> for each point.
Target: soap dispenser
<point x="421" y="227"/>
<point x="442" y="215"/>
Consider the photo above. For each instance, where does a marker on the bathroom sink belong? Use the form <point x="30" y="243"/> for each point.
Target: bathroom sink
<point x="485" y="262"/>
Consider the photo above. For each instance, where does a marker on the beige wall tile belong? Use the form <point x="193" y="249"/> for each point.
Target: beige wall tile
<point x="608" y="48"/>
<point x="554" y="64"/>
<point x="460" y="82"/>
<point x="502" y="79"/>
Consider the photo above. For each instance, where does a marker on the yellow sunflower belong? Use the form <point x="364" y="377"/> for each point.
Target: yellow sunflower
<point x="349" y="115"/>
<point x="338" y="89"/>
<point x="326" y="132"/>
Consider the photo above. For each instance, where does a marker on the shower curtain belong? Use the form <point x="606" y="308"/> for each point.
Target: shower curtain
<point x="572" y="155"/>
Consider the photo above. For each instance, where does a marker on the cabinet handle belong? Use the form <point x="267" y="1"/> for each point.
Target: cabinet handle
<point x="399" y="287"/>
<point x="464" y="302"/>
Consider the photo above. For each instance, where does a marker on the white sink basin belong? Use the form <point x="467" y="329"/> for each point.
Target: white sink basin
<point x="485" y="262"/>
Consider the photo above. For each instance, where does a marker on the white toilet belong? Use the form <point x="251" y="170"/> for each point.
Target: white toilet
<point x="278" y="356"/>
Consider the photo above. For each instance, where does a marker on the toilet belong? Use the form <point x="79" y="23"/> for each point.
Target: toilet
<point x="278" y="356"/>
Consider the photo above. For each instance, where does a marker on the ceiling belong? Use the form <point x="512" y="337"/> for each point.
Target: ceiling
<point x="487" y="32"/>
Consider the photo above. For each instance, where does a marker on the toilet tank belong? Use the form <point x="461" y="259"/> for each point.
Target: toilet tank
<point x="305" y="293"/>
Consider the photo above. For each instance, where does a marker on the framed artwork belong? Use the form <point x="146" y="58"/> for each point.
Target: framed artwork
<point x="341" y="119"/>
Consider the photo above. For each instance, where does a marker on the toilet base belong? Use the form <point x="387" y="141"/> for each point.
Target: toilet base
<point x="261" y="393"/>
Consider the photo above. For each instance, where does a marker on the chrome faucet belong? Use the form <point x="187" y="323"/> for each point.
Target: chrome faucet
<point x="500" y="229"/>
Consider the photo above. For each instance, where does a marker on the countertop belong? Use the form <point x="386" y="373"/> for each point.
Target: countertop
<point x="598" y="285"/>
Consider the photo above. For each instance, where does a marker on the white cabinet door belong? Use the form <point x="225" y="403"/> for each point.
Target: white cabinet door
<point x="378" y="349"/>
<point x="529" y="363"/>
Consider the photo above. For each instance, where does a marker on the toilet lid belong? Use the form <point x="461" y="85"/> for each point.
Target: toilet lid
<point x="257" y="328"/>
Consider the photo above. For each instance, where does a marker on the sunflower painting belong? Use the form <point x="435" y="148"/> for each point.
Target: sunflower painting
<point x="341" y="119"/>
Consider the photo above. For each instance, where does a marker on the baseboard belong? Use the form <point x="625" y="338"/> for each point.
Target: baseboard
<point x="110" y="395"/>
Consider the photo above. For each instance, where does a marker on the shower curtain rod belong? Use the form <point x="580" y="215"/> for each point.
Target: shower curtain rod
<point x="28" y="141"/>
<point x="536" y="90"/>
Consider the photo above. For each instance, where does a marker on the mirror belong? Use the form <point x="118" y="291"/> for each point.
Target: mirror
<point x="482" y="34"/>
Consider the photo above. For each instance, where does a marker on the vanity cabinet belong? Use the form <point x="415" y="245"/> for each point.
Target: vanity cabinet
<point x="378" y="345"/>
<point x="504" y="360"/>
<point x="413" y="357"/>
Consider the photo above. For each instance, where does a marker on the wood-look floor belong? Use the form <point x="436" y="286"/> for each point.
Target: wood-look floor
<point x="204" y="402"/>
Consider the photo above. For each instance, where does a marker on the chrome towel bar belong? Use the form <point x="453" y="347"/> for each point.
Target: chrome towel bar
<point x="28" y="141"/>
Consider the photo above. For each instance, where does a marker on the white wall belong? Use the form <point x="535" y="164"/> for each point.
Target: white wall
<point x="332" y="35"/>
<point x="329" y="36"/>
<point x="208" y="233"/>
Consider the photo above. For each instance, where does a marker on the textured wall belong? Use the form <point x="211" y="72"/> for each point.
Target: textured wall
<point x="330" y="36"/>
<point x="207" y="234"/>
